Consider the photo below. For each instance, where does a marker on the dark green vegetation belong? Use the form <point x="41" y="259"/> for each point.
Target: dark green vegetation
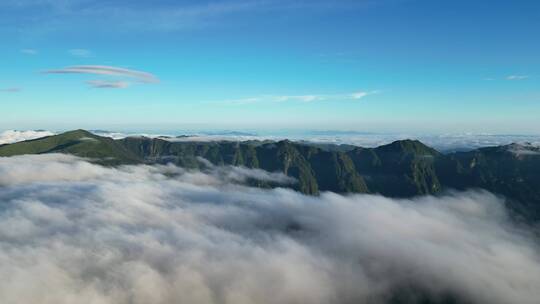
<point x="81" y="143"/>
<point x="401" y="169"/>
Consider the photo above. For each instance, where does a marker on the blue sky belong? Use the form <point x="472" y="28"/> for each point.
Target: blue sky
<point x="379" y="66"/>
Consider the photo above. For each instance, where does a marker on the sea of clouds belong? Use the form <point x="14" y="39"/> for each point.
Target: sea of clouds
<point x="76" y="232"/>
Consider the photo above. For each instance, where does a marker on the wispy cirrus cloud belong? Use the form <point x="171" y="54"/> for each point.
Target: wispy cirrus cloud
<point x="129" y="17"/>
<point x="517" y="77"/>
<point x="301" y="98"/>
<point x="122" y="73"/>
<point x="11" y="90"/>
<point x="158" y="15"/>
<point x="29" y="51"/>
<point x="82" y="53"/>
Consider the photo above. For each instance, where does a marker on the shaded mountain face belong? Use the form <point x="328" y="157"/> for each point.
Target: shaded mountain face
<point x="403" y="168"/>
<point x="400" y="169"/>
<point x="511" y="170"/>
<point x="315" y="169"/>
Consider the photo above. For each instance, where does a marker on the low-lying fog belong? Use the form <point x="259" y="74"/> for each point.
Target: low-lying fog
<point x="74" y="232"/>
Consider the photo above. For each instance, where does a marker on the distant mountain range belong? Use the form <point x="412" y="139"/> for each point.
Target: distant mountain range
<point x="404" y="168"/>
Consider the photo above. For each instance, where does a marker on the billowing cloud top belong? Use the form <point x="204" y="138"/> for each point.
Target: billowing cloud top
<point x="71" y="231"/>
<point x="12" y="136"/>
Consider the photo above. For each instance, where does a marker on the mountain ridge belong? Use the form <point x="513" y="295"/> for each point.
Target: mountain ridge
<point x="403" y="168"/>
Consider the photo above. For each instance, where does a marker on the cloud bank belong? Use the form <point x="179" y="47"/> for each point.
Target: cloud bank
<point x="71" y="231"/>
<point x="12" y="136"/>
<point x="524" y="150"/>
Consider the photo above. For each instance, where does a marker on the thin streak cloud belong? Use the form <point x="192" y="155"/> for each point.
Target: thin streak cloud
<point x="517" y="77"/>
<point x="11" y="90"/>
<point x="29" y="51"/>
<point x="301" y="98"/>
<point x="143" y="77"/>
<point x="139" y="76"/>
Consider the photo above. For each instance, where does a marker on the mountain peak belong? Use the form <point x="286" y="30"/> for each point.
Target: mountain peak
<point x="78" y="133"/>
<point x="77" y="142"/>
<point x="408" y="146"/>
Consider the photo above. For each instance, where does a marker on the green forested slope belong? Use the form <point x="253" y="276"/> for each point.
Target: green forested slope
<point x="401" y="169"/>
<point x="80" y="143"/>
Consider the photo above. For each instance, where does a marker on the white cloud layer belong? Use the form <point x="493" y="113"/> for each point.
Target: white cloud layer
<point x="12" y="136"/>
<point x="74" y="232"/>
<point x="524" y="150"/>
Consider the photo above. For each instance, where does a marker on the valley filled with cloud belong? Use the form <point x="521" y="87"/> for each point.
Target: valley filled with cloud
<point x="75" y="232"/>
